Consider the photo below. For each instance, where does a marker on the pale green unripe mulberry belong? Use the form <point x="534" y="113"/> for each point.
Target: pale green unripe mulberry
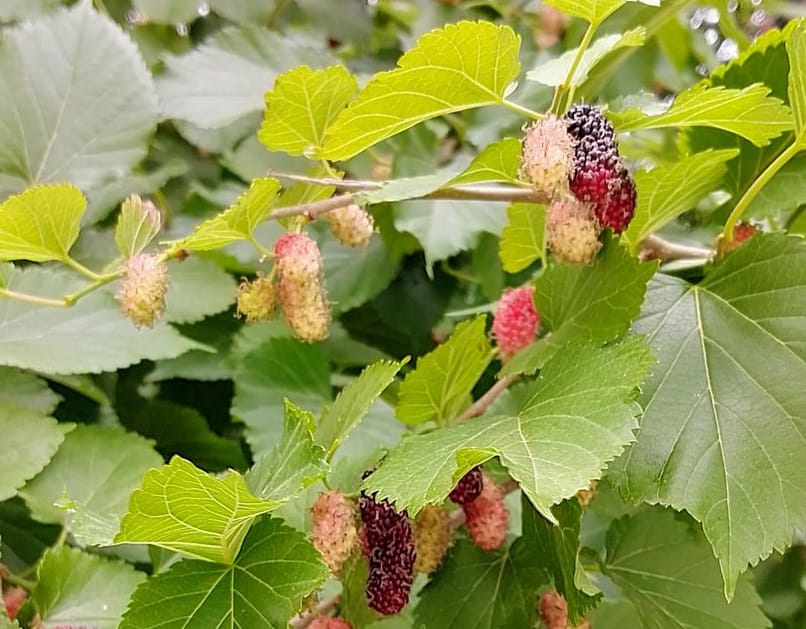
<point x="142" y="290"/>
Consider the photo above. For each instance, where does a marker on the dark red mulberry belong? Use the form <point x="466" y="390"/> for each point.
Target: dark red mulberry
<point x="390" y="543"/>
<point x="468" y="488"/>
<point x="599" y="176"/>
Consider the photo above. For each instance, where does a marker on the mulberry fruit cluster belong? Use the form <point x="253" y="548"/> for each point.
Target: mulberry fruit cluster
<point x="334" y="533"/>
<point x="142" y="290"/>
<point x="301" y="288"/>
<point x="486" y="517"/>
<point x="599" y="176"/>
<point x="388" y="539"/>
<point x="468" y="488"/>
<point x="256" y="300"/>
<point x="433" y="535"/>
<point x="352" y="225"/>
<point x="515" y="321"/>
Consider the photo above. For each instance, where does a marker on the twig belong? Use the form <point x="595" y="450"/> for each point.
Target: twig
<point x="656" y="248"/>
<point x="485" y="401"/>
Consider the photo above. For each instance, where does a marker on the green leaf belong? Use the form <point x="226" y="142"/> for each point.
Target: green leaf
<point x="96" y="466"/>
<point x="556" y="548"/>
<point x="667" y="191"/>
<point x="594" y="11"/>
<point x="406" y="188"/>
<point x="137" y="226"/>
<point x="76" y="589"/>
<point x="167" y="11"/>
<point x="444" y="228"/>
<point x="30" y="439"/>
<point x="524" y="237"/>
<point x="585" y="304"/>
<point x="555" y="71"/>
<point x="796" y="49"/>
<point x="181" y="508"/>
<point x="23" y="539"/>
<point x="238" y="221"/>
<point x="353" y="605"/>
<point x="294" y="464"/>
<point x="199" y="288"/>
<point x="483" y="590"/>
<point x="302" y="106"/>
<point x="458" y="67"/>
<point x="747" y="112"/>
<point x="353" y="402"/>
<point x="499" y="161"/>
<point x="90" y="337"/>
<point x="86" y="119"/>
<point x="279" y="368"/>
<point x="441" y="383"/>
<point x="202" y="88"/>
<point x="41" y="224"/>
<point x="580" y="417"/>
<point x="24" y="390"/>
<point x="265" y="586"/>
<point x="675" y="584"/>
<point x="723" y="452"/>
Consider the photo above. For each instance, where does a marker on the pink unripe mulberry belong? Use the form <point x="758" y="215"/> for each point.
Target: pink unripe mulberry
<point x="486" y="517"/>
<point x="13" y="598"/>
<point x="433" y="535"/>
<point x="142" y="290"/>
<point x="468" y="488"/>
<point x="554" y="610"/>
<point x="256" y="300"/>
<point x="391" y="555"/>
<point x="742" y="232"/>
<point x="352" y="225"/>
<point x="548" y="156"/>
<point x="330" y="623"/>
<point x="334" y="533"/>
<point x="515" y="321"/>
<point x="573" y="231"/>
<point x="301" y="289"/>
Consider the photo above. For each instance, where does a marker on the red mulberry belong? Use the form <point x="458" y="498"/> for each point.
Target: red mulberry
<point x="515" y="321"/>
<point x="301" y="289"/>
<point x="468" y="488"/>
<point x="599" y="176"/>
<point x="334" y="533"/>
<point x="486" y="517"/>
<point x="330" y="623"/>
<point x="391" y="555"/>
<point x="13" y="598"/>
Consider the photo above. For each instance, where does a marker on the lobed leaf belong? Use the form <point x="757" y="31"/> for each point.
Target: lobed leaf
<point x="726" y="451"/>
<point x="183" y="509"/>
<point x="441" y="383"/>
<point x="77" y="102"/>
<point x="580" y="416"/>
<point x="748" y="112"/>
<point x="264" y="587"/>
<point x="76" y="589"/>
<point x="41" y="223"/>
<point x="667" y="191"/>
<point x="675" y="584"/>
<point x="302" y="106"/>
<point x="458" y="67"/>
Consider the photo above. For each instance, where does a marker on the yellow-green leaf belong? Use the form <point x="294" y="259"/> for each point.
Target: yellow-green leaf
<point x="594" y="11"/>
<point x="184" y="509"/>
<point x="302" y="105"/>
<point x="796" y="49"/>
<point x="41" y="223"/>
<point x="458" y="67"/>
<point x="499" y="161"/>
<point x="524" y="237"/>
<point x="747" y="112"/>
<point x="238" y="221"/>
